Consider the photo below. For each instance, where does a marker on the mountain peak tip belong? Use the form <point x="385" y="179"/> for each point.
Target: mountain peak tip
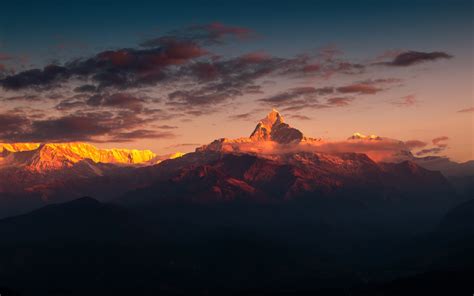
<point x="273" y="128"/>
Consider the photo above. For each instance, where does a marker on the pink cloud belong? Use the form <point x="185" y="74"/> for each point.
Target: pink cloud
<point x="467" y="110"/>
<point x="436" y="141"/>
<point x="407" y="101"/>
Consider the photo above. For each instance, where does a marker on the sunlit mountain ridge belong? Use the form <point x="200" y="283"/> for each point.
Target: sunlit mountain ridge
<point x="53" y="156"/>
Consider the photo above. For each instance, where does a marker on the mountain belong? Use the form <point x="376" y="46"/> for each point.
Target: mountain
<point x="275" y="211"/>
<point x="273" y="128"/>
<point x="80" y="219"/>
<point x="264" y="169"/>
<point x="29" y="167"/>
<point x="32" y="174"/>
<point x="17" y="147"/>
<point x="459" y="221"/>
<point x="276" y="163"/>
<point x="229" y="176"/>
<point x="46" y="157"/>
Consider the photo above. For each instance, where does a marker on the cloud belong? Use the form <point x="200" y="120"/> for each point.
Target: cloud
<point x="117" y="100"/>
<point x="182" y="145"/>
<point x="287" y="97"/>
<point x="440" y="146"/>
<point x="96" y="126"/>
<point x="435" y="150"/>
<point x="406" y="101"/>
<point x="140" y="134"/>
<point x="188" y="78"/>
<point x="387" y="150"/>
<point x="339" y="101"/>
<point x="12" y="123"/>
<point x="36" y="77"/>
<point x="413" y="144"/>
<point x="167" y="127"/>
<point x="410" y="58"/>
<point x="85" y="88"/>
<point x="437" y="141"/>
<point x="467" y="110"/>
<point x="300" y="117"/>
<point x="119" y="68"/>
<point x="69" y="104"/>
<point x="208" y="34"/>
<point x="367" y="87"/>
<point x="360" y="88"/>
<point x="296" y="99"/>
<point x="241" y="116"/>
<point x="5" y="57"/>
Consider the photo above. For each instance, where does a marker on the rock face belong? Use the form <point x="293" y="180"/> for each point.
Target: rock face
<point x="273" y="128"/>
<point x="6" y="148"/>
<point x="296" y="176"/>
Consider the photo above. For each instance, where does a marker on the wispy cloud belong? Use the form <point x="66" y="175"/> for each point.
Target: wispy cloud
<point x="406" y="101"/>
<point x="467" y="110"/>
<point x="410" y="58"/>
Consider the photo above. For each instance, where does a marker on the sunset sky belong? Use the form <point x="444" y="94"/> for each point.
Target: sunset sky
<point x="173" y="77"/>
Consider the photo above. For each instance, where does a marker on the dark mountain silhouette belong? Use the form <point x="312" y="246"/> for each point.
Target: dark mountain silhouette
<point x="80" y="219"/>
<point x="85" y="246"/>
<point x="459" y="221"/>
<point x="261" y="215"/>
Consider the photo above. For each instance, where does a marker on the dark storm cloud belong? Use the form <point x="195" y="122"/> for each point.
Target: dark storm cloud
<point x="409" y="58"/>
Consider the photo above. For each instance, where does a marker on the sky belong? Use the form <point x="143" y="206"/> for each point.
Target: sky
<point x="170" y="77"/>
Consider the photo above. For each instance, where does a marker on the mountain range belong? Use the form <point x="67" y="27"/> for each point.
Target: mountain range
<point x="273" y="213"/>
<point x="276" y="163"/>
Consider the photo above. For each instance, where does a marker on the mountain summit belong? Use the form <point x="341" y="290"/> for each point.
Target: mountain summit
<point x="273" y="128"/>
